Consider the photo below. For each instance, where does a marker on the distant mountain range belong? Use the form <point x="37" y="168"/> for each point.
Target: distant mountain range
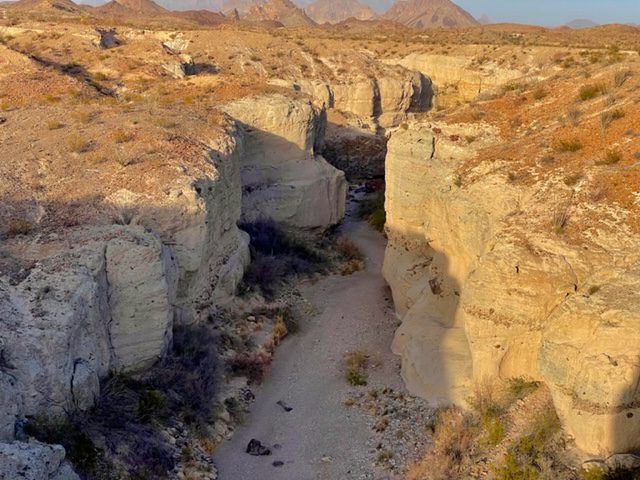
<point x="429" y="13"/>
<point x="581" y="23"/>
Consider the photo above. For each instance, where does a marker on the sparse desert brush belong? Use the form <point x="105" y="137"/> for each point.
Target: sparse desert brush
<point x="77" y="144"/>
<point x="54" y="124"/>
<point x="589" y="92"/>
<point x="121" y="136"/>
<point x="19" y="226"/>
<point x="611" y="157"/>
<point x="81" y="116"/>
<point x="621" y="77"/>
<point x="607" y="118"/>
<point x="539" y="93"/>
<point x="278" y="333"/>
<point x="560" y="219"/>
<point x="568" y="145"/>
<point x="356" y="363"/>
<point x="452" y="440"/>
<point x="520" y="387"/>
<point x="574" y="114"/>
<point x="253" y="365"/>
<point x="531" y="451"/>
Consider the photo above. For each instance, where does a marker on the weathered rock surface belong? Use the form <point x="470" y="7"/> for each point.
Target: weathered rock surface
<point x="34" y="461"/>
<point x="488" y="290"/>
<point x="283" y="177"/>
<point x="467" y="79"/>
<point x="101" y="297"/>
<point x="429" y="14"/>
<point x="81" y="313"/>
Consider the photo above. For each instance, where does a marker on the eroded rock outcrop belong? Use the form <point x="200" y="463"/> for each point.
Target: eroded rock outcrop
<point x="461" y="74"/>
<point x="283" y="177"/>
<point x="34" y="461"/>
<point x="81" y="313"/>
<point x="488" y="288"/>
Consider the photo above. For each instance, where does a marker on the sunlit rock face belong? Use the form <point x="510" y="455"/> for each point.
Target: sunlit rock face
<point x="486" y="288"/>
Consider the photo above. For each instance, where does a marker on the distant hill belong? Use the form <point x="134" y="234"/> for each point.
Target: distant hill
<point x="281" y="11"/>
<point x="335" y="11"/>
<point x="180" y="5"/>
<point x="53" y="6"/>
<point x="131" y="7"/>
<point x="581" y="23"/>
<point x="429" y="13"/>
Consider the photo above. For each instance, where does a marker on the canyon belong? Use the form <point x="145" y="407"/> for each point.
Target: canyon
<point x="138" y="162"/>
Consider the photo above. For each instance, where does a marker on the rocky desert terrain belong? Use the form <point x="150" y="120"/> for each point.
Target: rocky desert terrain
<point x="316" y="243"/>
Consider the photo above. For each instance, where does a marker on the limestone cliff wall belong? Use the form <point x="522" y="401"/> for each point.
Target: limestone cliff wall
<point x="103" y="298"/>
<point x="458" y="72"/>
<point x="488" y="290"/>
<point x="283" y="176"/>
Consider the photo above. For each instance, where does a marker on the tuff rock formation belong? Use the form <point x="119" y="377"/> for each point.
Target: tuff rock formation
<point x="283" y="177"/>
<point x="429" y="14"/>
<point x="488" y="290"/>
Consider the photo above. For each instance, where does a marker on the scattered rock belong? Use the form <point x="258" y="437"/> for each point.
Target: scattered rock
<point x="278" y="463"/>
<point x="256" y="449"/>
<point x="284" y="406"/>
<point x="107" y="38"/>
<point x="624" y="461"/>
<point x="3" y="120"/>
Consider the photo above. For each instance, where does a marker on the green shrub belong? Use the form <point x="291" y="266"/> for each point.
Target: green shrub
<point x="568" y="146"/>
<point x="589" y="92"/>
<point x="520" y="387"/>
<point x="356" y="363"/>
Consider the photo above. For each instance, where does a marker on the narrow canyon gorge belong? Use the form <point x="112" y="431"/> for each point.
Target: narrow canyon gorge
<point x="248" y="264"/>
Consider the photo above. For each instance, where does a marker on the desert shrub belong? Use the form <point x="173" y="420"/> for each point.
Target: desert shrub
<point x="621" y="77"/>
<point x="574" y="114"/>
<point x="19" y="226"/>
<point x="277" y="255"/>
<point x="452" y="440"/>
<point x="372" y="211"/>
<point x="568" y="146"/>
<point x="589" y="92"/>
<point x="521" y="387"/>
<point x="53" y="125"/>
<point x="539" y="93"/>
<point x="525" y="455"/>
<point x="611" y="157"/>
<point x="607" y="118"/>
<point x="77" y="144"/>
<point x="253" y="365"/>
<point x="120" y="136"/>
<point x="356" y="367"/>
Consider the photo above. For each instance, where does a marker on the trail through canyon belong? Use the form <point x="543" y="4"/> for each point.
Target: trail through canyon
<point x="321" y="437"/>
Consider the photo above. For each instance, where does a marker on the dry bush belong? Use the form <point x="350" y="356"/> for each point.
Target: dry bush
<point x="54" y="124"/>
<point x="589" y="92"/>
<point x="77" y="144"/>
<point x="452" y="440"/>
<point x="356" y="363"/>
<point x="611" y="157"/>
<point x="19" y="226"/>
<point x="568" y="145"/>
<point x="121" y="136"/>
<point x="607" y="118"/>
<point x="278" y="333"/>
<point x="574" y="114"/>
<point x="621" y="77"/>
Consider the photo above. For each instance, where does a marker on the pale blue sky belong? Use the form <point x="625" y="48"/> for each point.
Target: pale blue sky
<point x="554" y="12"/>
